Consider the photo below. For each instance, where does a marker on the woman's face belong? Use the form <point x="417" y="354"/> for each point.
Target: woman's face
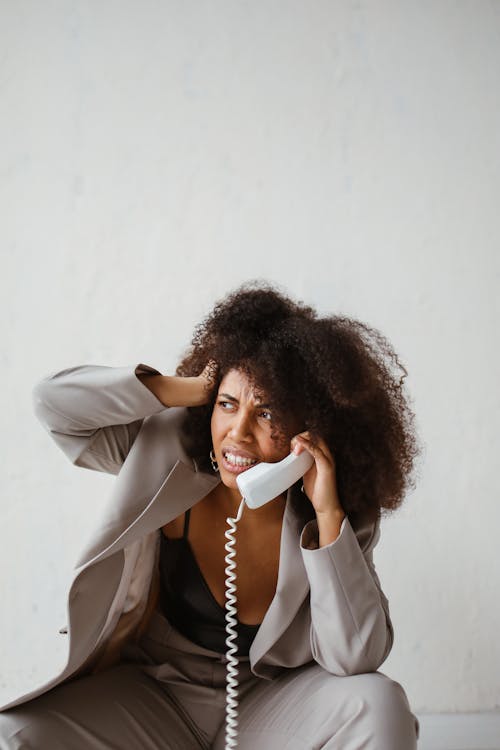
<point x="241" y="427"/>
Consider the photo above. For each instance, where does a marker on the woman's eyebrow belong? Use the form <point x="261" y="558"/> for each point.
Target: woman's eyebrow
<point x="232" y="398"/>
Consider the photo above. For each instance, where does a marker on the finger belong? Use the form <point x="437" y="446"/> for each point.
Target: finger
<point x="320" y="443"/>
<point x="303" y="443"/>
<point x="209" y="370"/>
<point x="295" y="442"/>
<point x="319" y="449"/>
<point x="323" y="445"/>
<point x="326" y="452"/>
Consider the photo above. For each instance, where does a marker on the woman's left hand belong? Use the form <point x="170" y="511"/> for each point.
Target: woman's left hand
<point x="320" y="481"/>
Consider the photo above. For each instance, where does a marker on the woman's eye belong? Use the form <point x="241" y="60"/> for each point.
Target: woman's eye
<point x="223" y="404"/>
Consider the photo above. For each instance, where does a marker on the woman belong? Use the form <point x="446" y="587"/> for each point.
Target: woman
<point x="146" y="623"/>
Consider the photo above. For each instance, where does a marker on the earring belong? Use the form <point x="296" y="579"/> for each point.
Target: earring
<point x="215" y="465"/>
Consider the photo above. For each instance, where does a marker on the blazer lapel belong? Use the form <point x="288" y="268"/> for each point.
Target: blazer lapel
<point x="291" y="589"/>
<point x="182" y="487"/>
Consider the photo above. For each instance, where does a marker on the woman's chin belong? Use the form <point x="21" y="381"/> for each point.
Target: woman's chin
<point x="228" y="479"/>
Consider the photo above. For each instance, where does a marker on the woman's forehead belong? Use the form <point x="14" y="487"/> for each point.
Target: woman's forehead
<point x="237" y="382"/>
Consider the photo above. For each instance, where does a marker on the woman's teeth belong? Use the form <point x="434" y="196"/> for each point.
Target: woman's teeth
<point x="239" y="460"/>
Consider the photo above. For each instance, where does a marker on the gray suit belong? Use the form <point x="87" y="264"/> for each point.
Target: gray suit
<point x="328" y="610"/>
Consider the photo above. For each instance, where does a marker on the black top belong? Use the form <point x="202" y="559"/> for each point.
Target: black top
<point x="188" y="603"/>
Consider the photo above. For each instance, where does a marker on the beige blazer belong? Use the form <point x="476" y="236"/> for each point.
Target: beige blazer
<point x="328" y="605"/>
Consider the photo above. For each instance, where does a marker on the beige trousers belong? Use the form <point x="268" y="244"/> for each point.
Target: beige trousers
<point x="168" y="693"/>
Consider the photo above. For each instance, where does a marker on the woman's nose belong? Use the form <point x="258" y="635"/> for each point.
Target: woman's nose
<point x="240" y="426"/>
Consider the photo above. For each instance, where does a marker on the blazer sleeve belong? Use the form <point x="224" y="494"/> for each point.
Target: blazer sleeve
<point x="94" y="412"/>
<point x="351" y="630"/>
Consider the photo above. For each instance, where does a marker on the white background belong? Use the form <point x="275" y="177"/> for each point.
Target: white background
<point x="153" y="156"/>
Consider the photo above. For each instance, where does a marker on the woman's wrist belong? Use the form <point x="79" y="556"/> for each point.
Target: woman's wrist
<point x="174" y="390"/>
<point x="329" y="524"/>
<point x="185" y="391"/>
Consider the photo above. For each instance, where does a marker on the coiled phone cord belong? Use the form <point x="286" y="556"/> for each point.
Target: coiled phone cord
<point x="231" y="612"/>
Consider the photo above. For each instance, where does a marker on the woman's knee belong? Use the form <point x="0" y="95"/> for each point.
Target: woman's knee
<point x="19" y="732"/>
<point x="338" y="711"/>
<point x="49" y="719"/>
<point x="6" y="729"/>
<point x="368" y="706"/>
<point x="387" y="711"/>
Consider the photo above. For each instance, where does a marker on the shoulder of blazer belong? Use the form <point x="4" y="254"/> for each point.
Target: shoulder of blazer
<point x="162" y="434"/>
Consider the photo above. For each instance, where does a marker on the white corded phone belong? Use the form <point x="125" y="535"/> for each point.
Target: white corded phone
<point x="258" y="485"/>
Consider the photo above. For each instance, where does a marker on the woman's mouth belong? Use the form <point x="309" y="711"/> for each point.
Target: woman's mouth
<point x="237" y="464"/>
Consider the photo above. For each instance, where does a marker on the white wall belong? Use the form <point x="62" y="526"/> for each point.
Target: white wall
<point x="154" y="155"/>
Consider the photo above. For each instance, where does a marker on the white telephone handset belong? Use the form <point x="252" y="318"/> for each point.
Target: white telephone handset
<point x="258" y="485"/>
<point x="265" y="481"/>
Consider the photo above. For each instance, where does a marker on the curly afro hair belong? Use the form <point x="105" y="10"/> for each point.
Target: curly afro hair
<point x="330" y="375"/>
